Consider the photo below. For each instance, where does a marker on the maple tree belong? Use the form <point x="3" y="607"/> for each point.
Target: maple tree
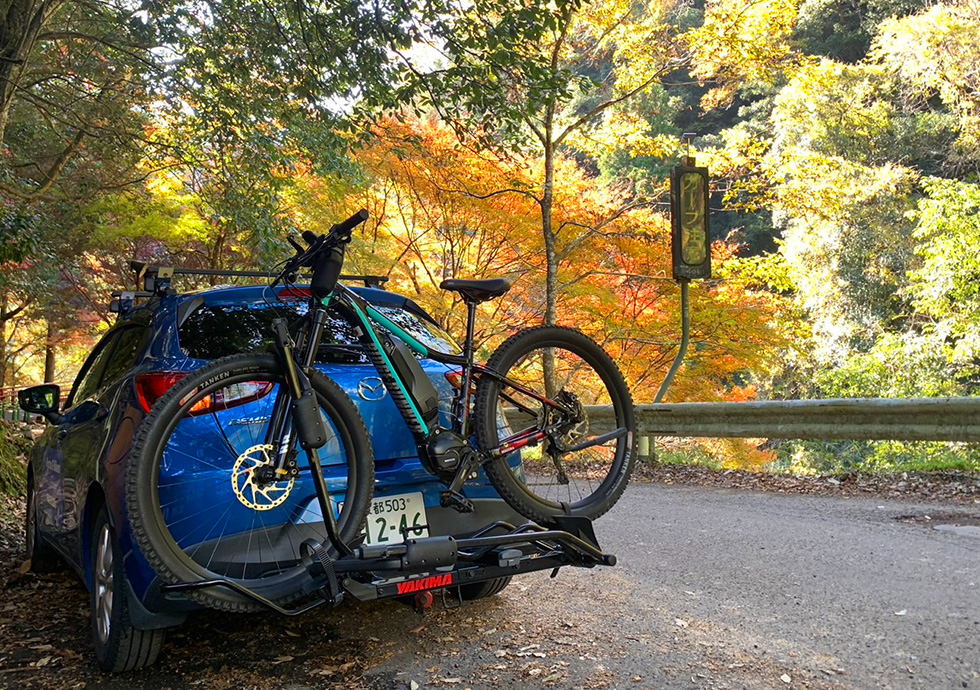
<point x="442" y="209"/>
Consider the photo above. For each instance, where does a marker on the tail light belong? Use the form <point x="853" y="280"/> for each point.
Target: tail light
<point x="455" y="378"/>
<point x="152" y="387"/>
<point x="232" y="396"/>
<point x="291" y="293"/>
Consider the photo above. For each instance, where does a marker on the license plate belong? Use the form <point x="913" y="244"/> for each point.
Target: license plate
<point x="391" y="517"/>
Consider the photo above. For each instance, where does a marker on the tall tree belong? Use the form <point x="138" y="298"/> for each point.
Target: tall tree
<point x="503" y="83"/>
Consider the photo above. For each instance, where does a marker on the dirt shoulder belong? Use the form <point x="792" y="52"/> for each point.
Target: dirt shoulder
<point x="952" y="487"/>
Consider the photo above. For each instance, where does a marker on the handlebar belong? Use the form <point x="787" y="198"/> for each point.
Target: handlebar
<point x="319" y="245"/>
<point x="345" y="227"/>
<point x="339" y="232"/>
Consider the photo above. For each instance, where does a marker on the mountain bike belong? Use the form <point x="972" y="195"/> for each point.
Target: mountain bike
<point x="549" y="418"/>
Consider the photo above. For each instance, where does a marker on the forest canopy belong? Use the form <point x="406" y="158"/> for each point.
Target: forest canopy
<point x="531" y="140"/>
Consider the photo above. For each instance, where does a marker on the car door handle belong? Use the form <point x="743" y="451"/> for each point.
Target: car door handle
<point x="62" y="433"/>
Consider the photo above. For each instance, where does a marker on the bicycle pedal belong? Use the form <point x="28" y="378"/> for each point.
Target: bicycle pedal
<point x="456" y="501"/>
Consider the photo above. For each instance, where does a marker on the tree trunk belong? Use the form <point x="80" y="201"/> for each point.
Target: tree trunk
<point x="20" y="26"/>
<point x="49" y="355"/>
<point x="551" y="259"/>
<point x="3" y="340"/>
<point x="551" y="253"/>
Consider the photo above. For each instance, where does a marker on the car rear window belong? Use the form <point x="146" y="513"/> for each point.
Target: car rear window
<point x="217" y="330"/>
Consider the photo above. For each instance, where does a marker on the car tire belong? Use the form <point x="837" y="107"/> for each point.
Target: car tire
<point x="480" y="590"/>
<point x="42" y="557"/>
<point x="118" y="645"/>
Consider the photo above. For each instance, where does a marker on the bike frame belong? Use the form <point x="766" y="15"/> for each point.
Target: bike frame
<point x="363" y="315"/>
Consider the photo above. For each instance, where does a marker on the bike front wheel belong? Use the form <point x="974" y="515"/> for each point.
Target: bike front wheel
<point x="203" y="495"/>
<point x="555" y="411"/>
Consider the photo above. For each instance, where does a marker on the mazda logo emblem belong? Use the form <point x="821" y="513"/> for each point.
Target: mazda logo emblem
<point x="371" y="388"/>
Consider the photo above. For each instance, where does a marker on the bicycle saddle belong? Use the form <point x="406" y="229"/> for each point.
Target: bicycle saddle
<point x="477" y="291"/>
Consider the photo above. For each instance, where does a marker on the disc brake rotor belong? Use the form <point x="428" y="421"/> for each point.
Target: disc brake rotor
<point x="251" y="488"/>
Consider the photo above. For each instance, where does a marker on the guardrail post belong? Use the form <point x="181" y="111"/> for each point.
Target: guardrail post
<point x="643" y="448"/>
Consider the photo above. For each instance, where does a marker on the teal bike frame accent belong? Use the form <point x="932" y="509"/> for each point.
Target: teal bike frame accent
<point x="415" y="345"/>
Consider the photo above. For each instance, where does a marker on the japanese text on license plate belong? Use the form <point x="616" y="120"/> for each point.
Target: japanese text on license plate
<point x="390" y="518"/>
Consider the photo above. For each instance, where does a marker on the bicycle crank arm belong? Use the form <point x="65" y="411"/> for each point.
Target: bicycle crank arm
<point x="595" y="440"/>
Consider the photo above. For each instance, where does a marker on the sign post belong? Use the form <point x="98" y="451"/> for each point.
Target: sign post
<point x="690" y="242"/>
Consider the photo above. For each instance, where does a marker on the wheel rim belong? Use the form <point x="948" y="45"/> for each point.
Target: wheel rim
<point x="205" y="514"/>
<point x="565" y="375"/>
<point x="104" y="577"/>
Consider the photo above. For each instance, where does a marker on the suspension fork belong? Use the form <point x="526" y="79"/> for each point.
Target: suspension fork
<point x="296" y="413"/>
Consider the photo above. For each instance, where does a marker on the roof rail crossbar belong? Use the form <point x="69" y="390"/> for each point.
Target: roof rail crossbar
<point x="158" y="278"/>
<point x="124" y="300"/>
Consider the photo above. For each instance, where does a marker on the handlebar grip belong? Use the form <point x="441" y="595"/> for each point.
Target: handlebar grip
<point x="344" y="228"/>
<point x="310" y="237"/>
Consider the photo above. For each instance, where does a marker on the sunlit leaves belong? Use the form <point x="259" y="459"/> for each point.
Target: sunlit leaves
<point x="937" y="52"/>
<point x="742" y="41"/>
<point x="947" y="285"/>
<point x="441" y="209"/>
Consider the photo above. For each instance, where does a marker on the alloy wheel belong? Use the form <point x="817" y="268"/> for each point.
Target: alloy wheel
<point x="103" y="584"/>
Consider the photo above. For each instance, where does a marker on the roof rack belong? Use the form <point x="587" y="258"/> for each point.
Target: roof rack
<point x="156" y="280"/>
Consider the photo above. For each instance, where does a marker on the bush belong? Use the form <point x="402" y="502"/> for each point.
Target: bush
<point x="818" y="457"/>
<point x="13" y="464"/>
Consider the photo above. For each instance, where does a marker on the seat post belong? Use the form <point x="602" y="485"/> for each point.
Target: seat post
<point x="470" y="328"/>
<point x="464" y="412"/>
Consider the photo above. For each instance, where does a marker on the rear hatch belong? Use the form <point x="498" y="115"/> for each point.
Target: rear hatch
<point x="219" y="323"/>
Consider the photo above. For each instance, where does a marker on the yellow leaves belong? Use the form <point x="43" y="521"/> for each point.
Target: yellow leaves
<point x="934" y="49"/>
<point x="938" y="52"/>
<point x="836" y="109"/>
<point x="825" y="188"/>
<point x="741" y="41"/>
<point x="622" y="130"/>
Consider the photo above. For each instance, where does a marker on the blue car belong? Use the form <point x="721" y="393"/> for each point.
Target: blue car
<point x="77" y="511"/>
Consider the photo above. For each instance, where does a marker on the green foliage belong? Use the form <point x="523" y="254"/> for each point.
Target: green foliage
<point x="946" y="287"/>
<point x="687" y="455"/>
<point x="843" y="29"/>
<point x="13" y="448"/>
<point x="813" y="457"/>
<point x="764" y="271"/>
<point x="898" y="365"/>
<point x="935" y="53"/>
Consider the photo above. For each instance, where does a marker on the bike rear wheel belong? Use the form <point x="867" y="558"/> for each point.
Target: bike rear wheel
<point x="202" y="497"/>
<point x="563" y="414"/>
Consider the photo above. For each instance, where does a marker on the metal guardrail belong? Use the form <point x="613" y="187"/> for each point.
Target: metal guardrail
<point x="850" y="419"/>
<point x="856" y="419"/>
<point x="853" y="419"/>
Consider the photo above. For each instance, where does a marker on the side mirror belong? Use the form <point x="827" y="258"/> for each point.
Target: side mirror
<point x="43" y="400"/>
<point x="691" y="243"/>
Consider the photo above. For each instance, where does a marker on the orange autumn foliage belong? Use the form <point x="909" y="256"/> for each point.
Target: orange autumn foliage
<point x="441" y="209"/>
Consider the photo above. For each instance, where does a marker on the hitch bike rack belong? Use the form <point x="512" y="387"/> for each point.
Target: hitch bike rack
<point x="432" y="563"/>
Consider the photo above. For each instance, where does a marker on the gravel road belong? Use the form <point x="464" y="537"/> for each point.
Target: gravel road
<point x="715" y="588"/>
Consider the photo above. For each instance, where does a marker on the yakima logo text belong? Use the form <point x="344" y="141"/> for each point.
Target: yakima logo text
<point x="425" y="583"/>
